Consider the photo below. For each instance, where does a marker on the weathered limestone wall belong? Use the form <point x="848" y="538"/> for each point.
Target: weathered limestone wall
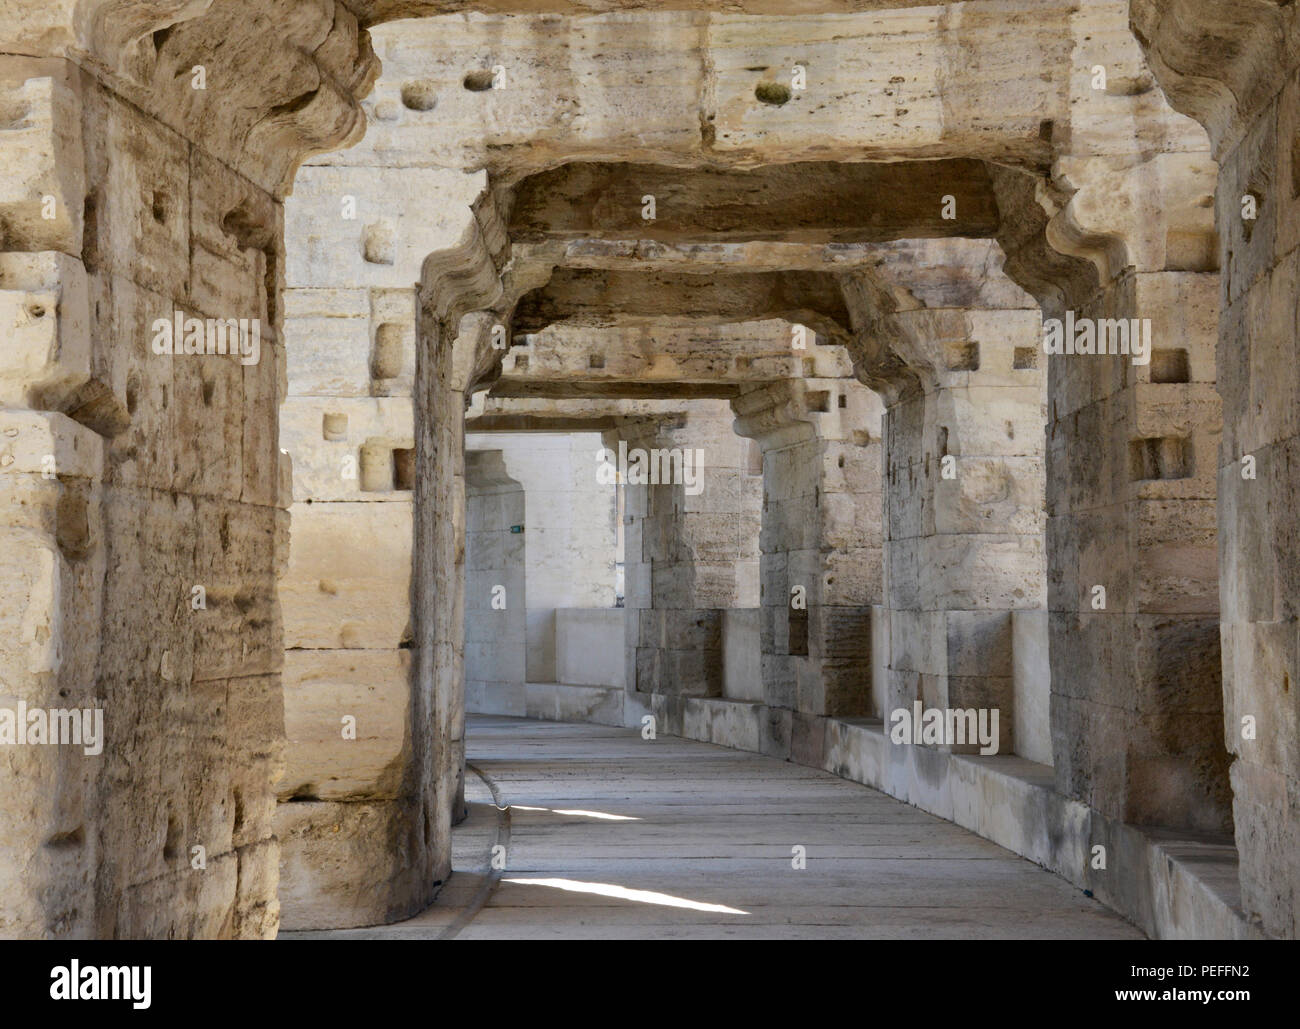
<point x="1233" y="66"/>
<point x="821" y="552"/>
<point x="496" y="628"/>
<point x="130" y="196"/>
<point x="690" y="550"/>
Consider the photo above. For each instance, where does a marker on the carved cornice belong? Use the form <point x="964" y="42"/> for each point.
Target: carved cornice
<point x="1219" y="61"/>
<point x="281" y="79"/>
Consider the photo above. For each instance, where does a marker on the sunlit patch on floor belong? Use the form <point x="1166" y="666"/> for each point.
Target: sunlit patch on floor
<point x="623" y="893"/>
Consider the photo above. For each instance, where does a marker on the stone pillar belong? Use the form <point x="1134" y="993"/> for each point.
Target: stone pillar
<point x="496" y="601"/>
<point x="1248" y="54"/>
<point x="143" y="490"/>
<point x="964" y="517"/>
<point x="356" y="246"/>
<point x="1131" y="464"/>
<point x="690" y="550"/>
<point x="821" y="552"/>
<point x="453" y="354"/>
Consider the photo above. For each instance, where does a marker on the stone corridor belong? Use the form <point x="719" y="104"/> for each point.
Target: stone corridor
<point x="610" y="836"/>
<point x="876" y="402"/>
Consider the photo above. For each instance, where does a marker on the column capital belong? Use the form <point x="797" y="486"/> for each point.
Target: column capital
<point x="1154" y="216"/>
<point x="468" y="276"/>
<point x="918" y="333"/>
<point x="793" y="410"/>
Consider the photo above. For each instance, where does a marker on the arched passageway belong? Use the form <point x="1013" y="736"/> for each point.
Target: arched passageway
<point x="981" y="315"/>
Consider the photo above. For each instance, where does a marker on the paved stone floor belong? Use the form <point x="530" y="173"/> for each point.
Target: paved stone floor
<point x="607" y="835"/>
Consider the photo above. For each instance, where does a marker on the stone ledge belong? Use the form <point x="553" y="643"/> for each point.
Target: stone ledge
<point x="1182" y="885"/>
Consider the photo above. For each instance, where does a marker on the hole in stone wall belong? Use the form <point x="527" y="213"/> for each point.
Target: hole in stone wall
<point x="1170" y="366"/>
<point x="419" y="96"/>
<point x="160" y="207"/>
<point x="521" y="362"/>
<point x="386" y="356"/>
<point x="1295" y="168"/>
<point x="844" y="401"/>
<point x="1161" y="457"/>
<point x="379" y="243"/>
<point x="1024" y="358"/>
<point x="160" y="38"/>
<point x="479" y="80"/>
<point x="334" y="426"/>
<point x="90" y="231"/>
<point x="172" y="842"/>
<point x="404" y="468"/>
<point x="1130" y="85"/>
<point x="68" y="840"/>
<point x="943" y="441"/>
<point x="797" y="642"/>
<point x="819" y="401"/>
<point x="596" y="361"/>
<point x="385" y="468"/>
<point x="773" y="93"/>
<point x="72" y="520"/>
<point x="248" y="229"/>
<point x="97" y="407"/>
<point x="271" y="282"/>
<point x="208" y="390"/>
<point x="237" y="801"/>
<point x="962" y="357"/>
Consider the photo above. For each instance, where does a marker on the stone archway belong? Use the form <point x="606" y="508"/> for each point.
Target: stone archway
<point x="155" y="144"/>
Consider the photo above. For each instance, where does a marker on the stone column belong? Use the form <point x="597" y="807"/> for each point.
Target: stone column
<point x="964" y="517"/>
<point x="690" y="551"/>
<point x="142" y="487"/>
<point x="453" y="354"/>
<point x="357" y="240"/>
<point x="821" y="552"/>
<point x="1131" y="463"/>
<point x="496" y="601"/>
